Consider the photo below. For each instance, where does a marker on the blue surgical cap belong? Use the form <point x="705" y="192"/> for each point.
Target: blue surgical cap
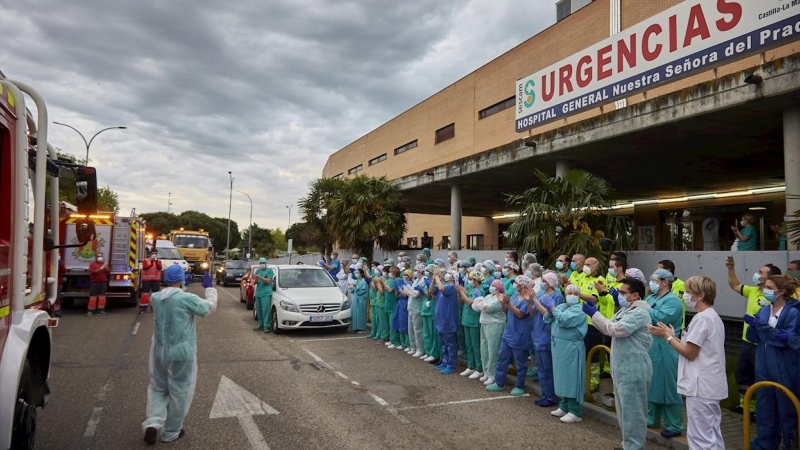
<point x="174" y="274"/>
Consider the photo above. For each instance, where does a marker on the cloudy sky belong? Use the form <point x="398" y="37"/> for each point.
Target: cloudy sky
<point x="266" y="89"/>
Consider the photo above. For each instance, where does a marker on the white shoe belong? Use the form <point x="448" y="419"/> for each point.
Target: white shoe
<point x="489" y="381"/>
<point x="558" y="413"/>
<point x="571" y="418"/>
<point x="429" y="359"/>
<point x="424" y="357"/>
<point x="388" y="343"/>
<point x="408" y="350"/>
<point x="476" y="376"/>
<point x="392" y="347"/>
<point x="417" y="355"/>
<point x="483" y="378"/>
<point x="467" y="372"/>
<point x="400" y="347"/>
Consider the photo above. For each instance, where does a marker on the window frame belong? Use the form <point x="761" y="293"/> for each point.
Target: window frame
<point x="502" y="106"/>
<point x="439" y="139"/>
<point x="407" y="147"/>
<point x="377" y="160"/>
<point x="356" y="169"/>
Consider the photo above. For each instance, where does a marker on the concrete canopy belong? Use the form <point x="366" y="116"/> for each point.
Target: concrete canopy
<point x="725" y="135"/>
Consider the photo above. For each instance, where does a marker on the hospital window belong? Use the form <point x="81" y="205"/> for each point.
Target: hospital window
<point x="355" y="169"/>
<point x="336" y="177"/>
<point x="446" y="133"/>
<point x="377" y="159"/>
<point x="405" y="148"/>
<point x="475" y="241"/>
<point x="496" y="108"/>
<point x="412" y="242"/>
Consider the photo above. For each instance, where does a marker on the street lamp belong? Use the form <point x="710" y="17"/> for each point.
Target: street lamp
<point x="290" y="217"/>
<point x="230" y="202"/>
<point x="250" y="232"/>
<point x="89" y="142"/>
<point x="169" y="202"/>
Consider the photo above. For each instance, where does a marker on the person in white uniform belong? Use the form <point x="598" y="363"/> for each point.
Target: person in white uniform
<point x="701" y="365"/>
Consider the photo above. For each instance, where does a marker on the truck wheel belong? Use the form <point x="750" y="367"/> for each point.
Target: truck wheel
<point x="24" y="431"/>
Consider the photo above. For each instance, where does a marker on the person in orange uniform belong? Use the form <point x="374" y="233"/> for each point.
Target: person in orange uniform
<point x="151" y="280"/>
<point x="98" y="276"/>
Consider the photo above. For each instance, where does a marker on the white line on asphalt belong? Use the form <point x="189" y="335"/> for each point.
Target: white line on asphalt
<point x="252" y="432"/>
<point x="461" y="402"/>
<point x="356" y="383"/>
<point x="329" y="339"/>
<point x="91" y="426"/>
<point x="316" y="358"/>
<point x="135" y="328"/>
<point x="341" y="375"/>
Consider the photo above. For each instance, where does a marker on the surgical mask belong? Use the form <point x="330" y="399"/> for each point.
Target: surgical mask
<point x="573" y="266"/>
<point x="687" y="297"/>
<point x="100" y="259"/>
<point x="623" y="301"/>
<point x="612" y="272"/>
<point x="153" y="257"/>
<point x="505" y="272"/>
<point x="354" y="260"/>
<point x="743" y="223"/>
<point x="572" y="300"/>
<point x="497" y="274"/>
<point x="587" y="270"/>
<point x="559" y="265"/>
<point x="357" y="275"/>
<point x="529" y="274"/>
<point x="769" y="294"/>
<point x="492" y="290"/>
<point x="263" y="266"/>
<point x="654" y="286"/>
<point x="462" y="271"/>
<point x="448" y="278"/>
<point x="756" y="278"/>
<point x="428" y="273"/>
<point x="538" y="290"/>
<point x="332" y="257"/>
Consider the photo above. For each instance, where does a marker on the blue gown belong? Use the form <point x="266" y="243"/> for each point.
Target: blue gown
<point x="400" y="319"/>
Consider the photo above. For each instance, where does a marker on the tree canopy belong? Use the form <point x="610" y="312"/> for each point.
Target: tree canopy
<point x="159" y="223"/>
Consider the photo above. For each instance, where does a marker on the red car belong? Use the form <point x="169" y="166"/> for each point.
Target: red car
<point x="247" y="289"/>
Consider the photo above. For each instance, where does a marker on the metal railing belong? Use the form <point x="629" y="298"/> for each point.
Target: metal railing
<point x="746" y="405"/>
<point x="588" y="395"/>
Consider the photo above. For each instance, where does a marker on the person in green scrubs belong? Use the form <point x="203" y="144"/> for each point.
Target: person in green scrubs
<point x="380" y="307"/>
<point x="390" y="305"/>
<point x="433" y="348"/>
<point x="470" y="319"/>
<point x="374" y="328"/>
<point x="748" y="235"/>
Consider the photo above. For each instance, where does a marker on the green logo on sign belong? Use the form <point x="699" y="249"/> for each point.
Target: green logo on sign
<point x="530" y="94"/>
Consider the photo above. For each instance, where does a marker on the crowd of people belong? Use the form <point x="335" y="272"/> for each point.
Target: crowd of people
<point x="491" y="313"/>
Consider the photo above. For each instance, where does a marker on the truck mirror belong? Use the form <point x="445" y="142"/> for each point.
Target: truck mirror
<point x="84" y="230"/>
<point x="86" y="190"/>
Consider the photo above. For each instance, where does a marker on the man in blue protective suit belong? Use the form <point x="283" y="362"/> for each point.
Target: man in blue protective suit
<point x="173" y="354"/>
<point x="631" y="368"/>
<point x="264" y="278"/>
<point x="445" y="316"/>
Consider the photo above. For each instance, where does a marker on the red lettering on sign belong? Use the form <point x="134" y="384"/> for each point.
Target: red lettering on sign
<point x="697" y="26"/>
<point x="565" y="79"/>
<point x="547" y="94"/>
<point x="603" y="60"/>
<point x="732" y="8"/>
<point x="653" y="30"/>
<point x="673" y="34"/>
<point x="584" y="74"/>
<point x="626" y="52"/>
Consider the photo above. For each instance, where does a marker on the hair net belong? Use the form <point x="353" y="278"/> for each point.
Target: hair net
<point x="430" y="267"/>
<point x="439" y="262"/>
<point x="573" y="289"/>
<point x="512" y="265"/>
<point x="551" y="279"/>
<point x="529" y="258"/>
<point x="427" y="251"/>
<point x="422" y="258"/>
<point x="499" y="286"/>
<point x="633" y="272"/>
<point x="664" y="274"/>
<point x="537" y="269"/>
<point x="472" y="261"/>
<point x="174" y="274"/>
<point x="262" y="260"/>
<point x="524" y="282"/>
<point x="477" y="275"/>
<point x="489" y="264"/>
<point x="420" y="267"/>
<point x="379" y="268"/>
<point x="408" y="272"/>
<point x="390" y="262"/>
<point x="465" y="264"/>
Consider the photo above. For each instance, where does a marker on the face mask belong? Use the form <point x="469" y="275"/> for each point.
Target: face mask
<point x="572" y="300"/>
<point x="492" y="290"/>
<point x="587" y="270"/>
<point x="559" y="265"/>
<point x="448" y="278"/>
<point x="462" y="271"/>
<point x="505" y="259"/>
<point x="769" y="294"/>
<point x="529" y="274"/>
<point x="263" y="266"/>
<point x="573" y="266"/>
<point x="654" y="287"/>
<point x="357" y="275"/>
<point x="332" y="258"/>
<point x="484" y="270"/>
<point x="497" y="274"/>
<point x="687" y="297"/>
<point x="612" y="272"/>
<point x="428" y="273"/>
<point x="756" y="278"/>
<point x="154" y="257"/>
<point x="743" y="223"/>
<point x="100" y="259"/>
<point x="623" y="301"/>
<point x="354" y="260"/>
<point x="539" y="290"/>
<point x="505" y="272"/>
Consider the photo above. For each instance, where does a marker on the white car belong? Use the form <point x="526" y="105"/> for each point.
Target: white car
<point x="307" y="297"/>
<point x="170" y="256"/>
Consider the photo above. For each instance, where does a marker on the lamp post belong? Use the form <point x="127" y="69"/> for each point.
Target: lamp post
<point x="250" y="232"/>
<point x="290" y="217"/>
<point x="89" y="142"/>
<point x="230" y="203"/>
<point x="169" y="202"/>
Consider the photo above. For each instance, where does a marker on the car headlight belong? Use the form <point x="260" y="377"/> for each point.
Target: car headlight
<point x="346" y="305"/>
<point x="204" y="265"/>
<point x="291" y="307"/>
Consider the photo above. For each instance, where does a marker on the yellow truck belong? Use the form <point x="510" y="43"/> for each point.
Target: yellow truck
<point x="195" y="246"/>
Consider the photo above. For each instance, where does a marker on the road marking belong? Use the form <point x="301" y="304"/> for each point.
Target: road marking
<point x="233" y="400"/>
<point x="329" y="339"/>
<point x="135" y="328"/>
<point x="461" y="402"/>
<point x="341" y="375"/>
<point x="229" y="294"/>
<point x="316" y="358"/>
<point x="91" y="426"/>
<point x="356" y="383"/>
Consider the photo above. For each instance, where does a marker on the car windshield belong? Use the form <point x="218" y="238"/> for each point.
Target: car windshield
<point x="304" y="278"/>
<point x="190" y="241"/>
<point x="236" y="265"/>
<point x="169" y="253"/>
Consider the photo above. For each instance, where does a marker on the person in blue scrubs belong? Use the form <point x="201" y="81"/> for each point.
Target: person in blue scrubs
<point x="445" y="316"/>
<point x="548" y="296"/>
<point x="400" y="319"/>
<point x="360" y="297"/>
<point x="516" y="337"/>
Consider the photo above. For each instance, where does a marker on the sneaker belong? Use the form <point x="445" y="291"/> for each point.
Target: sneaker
<point x="669" y="434"/>
<point x="476" y="375"/>
<point x="516" y="392"/>
<point x="400" y="347"/>
<point x="448" y="371"/>
<point x="102" y="312"/>
<point x="489" y="381"/>
<point x="417" y="355"/>
<point x="435" y="361"/>
<point x="530" y="373"/>
<point x="494" y="388"/>
<point x="440" y="367"/>
<point x="424" y="356"/>
<point x="89" y="313"/>
<point x="570" y="418"/>
<point x="558" y="413"/>
<point x="387" y="343"/>
<point x="429" y="359"/>
<point x="257" y="329"/>
<point x="483" y="378"/>
<point x="391" y="346"/>
<point x="608" y="400"/>
<point x="467" y="373"/>
<point x="150" y="436"/>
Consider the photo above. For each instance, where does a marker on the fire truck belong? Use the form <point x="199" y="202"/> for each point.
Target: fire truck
<point x="28" y="257"/>
<point x="195" y="246"/>
<point x="122" y="239"/>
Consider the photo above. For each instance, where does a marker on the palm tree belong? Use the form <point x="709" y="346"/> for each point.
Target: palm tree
<point x="316" y="210"/>
<point x="367" y="211"/>
<point x="568" y="215"/>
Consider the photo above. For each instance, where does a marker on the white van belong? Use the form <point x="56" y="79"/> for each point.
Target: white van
<point x="169" y="255"/>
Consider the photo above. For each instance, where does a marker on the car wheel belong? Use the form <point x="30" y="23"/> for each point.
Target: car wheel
<point x="24" y="431"/>
<point x="274" y="322"/>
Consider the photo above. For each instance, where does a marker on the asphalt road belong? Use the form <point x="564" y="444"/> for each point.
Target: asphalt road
<point x="330" y="390"/>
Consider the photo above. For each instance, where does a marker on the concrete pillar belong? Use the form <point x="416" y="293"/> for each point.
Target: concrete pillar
<point x="562" y="167"/>
<point x="791" y="162"/>
<point x="455" y="217"/>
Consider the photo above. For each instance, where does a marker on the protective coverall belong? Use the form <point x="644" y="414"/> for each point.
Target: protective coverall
<point x="173" y="357"/>
<point x="663" y="398"/>
<point x="515" y="343"/>
<point x="776" y="417"/>
<point x="492" y="321"/>
<point x="631" y="369"/>
<point x="445" y="318"/>
<point x="568" y="328"/>
<point x="264" y="297"/>
<point x="359" y="296"/>
<point x="541" y="340"/>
